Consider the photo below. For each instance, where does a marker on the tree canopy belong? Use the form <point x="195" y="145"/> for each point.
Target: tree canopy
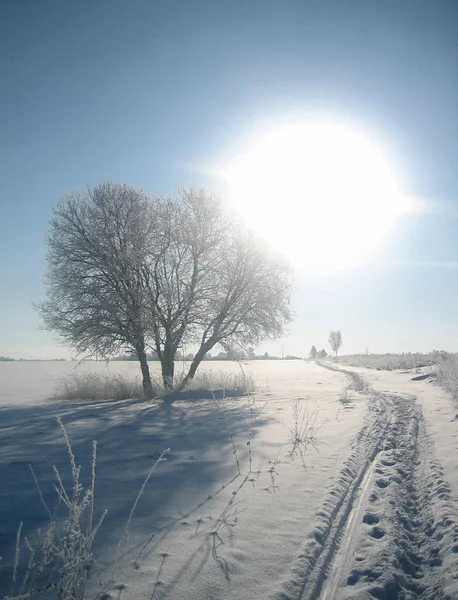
<point x="129" y="272"/>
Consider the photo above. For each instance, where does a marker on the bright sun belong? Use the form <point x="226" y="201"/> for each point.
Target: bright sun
<point x="321" y="193"/>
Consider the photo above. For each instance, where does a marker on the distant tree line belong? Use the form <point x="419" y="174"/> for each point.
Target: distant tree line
<point x="189" y="357"/>
<point x="9" y="359"/>
<point x="314" y="353"/>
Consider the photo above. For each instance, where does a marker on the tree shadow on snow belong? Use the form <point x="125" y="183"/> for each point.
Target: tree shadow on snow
<point x="130" y="437"/>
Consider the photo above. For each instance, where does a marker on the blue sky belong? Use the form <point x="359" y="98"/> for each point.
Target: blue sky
<point x="149" y="92"/>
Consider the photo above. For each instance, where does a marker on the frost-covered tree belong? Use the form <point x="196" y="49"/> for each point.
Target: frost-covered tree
<point x="98" y="242"/>
<point x="313" y="353"/>
<point x="128" y="272"/>
<point x="335" y="341"/>
<point x="322" y="353"/>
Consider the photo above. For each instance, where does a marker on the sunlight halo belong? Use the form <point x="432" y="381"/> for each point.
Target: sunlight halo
<point x="321" y="193"/>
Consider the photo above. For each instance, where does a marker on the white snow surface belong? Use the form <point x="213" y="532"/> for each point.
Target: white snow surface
<point x="239" y="510"/>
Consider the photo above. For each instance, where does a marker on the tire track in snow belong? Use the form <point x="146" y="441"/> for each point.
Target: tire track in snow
<point x="334" y="577"/>
<point x="387" y="528"/>
<point x="405" y="545"/>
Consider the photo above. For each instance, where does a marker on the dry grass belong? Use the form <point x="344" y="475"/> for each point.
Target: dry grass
<point x="236" y="383"/>
<point x="390" y="362"/>
<point x="59" y="559"/>
<point x="447" y="374"/>
<point x="345" y="397"/>
<point x="303" y="432"/>
<point x="94" y="386"/>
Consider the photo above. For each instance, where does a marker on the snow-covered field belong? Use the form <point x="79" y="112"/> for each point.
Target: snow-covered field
<point x="303" y="490"/>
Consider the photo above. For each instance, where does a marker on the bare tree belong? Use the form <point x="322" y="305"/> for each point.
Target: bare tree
<point x="126" y="272"/>
<point x="97" y="244"/>
<point x="335" y="341"/>
<point x="210" y="281"/>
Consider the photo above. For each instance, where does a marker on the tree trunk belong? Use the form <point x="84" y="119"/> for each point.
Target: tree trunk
<point x="147" y="385"/>
<point x="168" y="367"/>
<point x="195" y="363"/>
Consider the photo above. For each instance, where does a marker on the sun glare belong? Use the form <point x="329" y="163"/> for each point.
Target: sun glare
<point x="321" y="193"/>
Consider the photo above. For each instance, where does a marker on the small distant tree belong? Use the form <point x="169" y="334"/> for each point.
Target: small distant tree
<point x="313" y="353"/>
<point x="322" y="354"/>
<point x="335" y="341"/>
